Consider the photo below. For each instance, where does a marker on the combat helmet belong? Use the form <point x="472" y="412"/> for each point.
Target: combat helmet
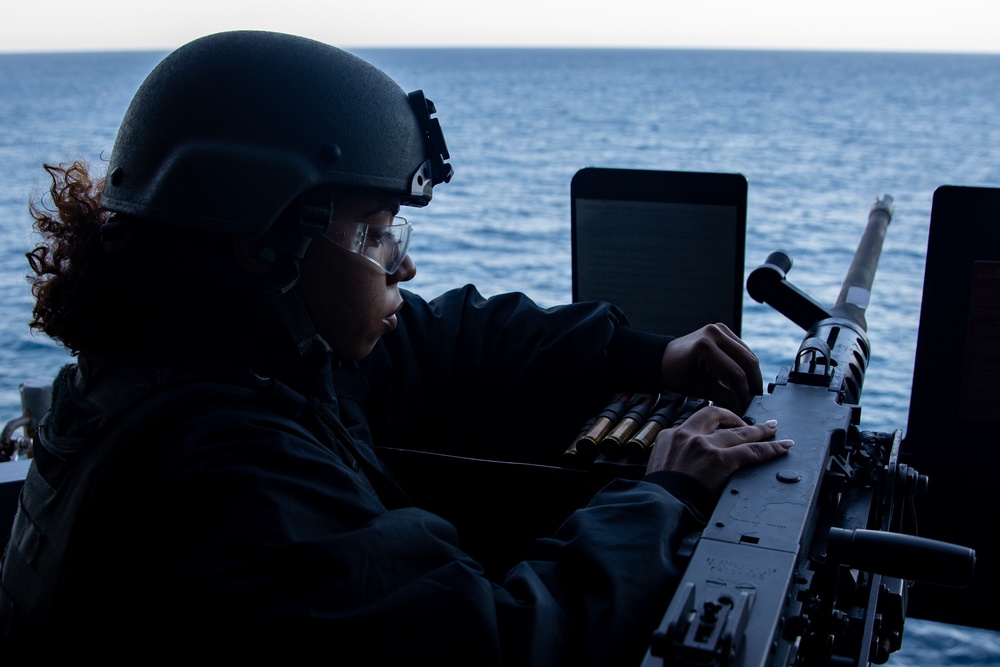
<point x="228" y="130"/>
<point x="242" y="132"/>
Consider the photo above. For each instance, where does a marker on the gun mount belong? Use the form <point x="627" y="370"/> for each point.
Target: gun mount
<point x="806" y="560"/>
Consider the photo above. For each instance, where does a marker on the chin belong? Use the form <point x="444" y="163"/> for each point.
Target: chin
<point x="358" y="353"/>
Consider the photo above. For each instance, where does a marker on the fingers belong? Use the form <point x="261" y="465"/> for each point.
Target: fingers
<point x="735" y="367"/>
<point x="750" y="453"/>
<point x="714" y="417"/>
<point x="714" y="363"/>
<point x="729" y="428"/>
<point x="729" y="435"/>
<point x="744" y="445"/>
<point x="714" y="443"/>
<point x="747" y="361"/>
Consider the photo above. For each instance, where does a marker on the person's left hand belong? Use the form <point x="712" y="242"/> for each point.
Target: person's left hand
<point x="712" y="444"/>
<point x="713" y="363"/>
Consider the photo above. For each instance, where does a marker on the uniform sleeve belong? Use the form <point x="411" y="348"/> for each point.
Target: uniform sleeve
<point x="610" y="569"/>
<point x="468" y="360"/>
<point x="299" y="549"/>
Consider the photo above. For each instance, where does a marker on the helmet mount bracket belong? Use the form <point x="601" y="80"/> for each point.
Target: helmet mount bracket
<point x="434" y="169"/>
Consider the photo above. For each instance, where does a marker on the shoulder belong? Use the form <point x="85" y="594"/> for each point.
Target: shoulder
<point x="191" y="436"/>
<point x="233" y="465"/>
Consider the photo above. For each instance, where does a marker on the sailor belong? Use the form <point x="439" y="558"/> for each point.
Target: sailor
<point x="207" y="481"/>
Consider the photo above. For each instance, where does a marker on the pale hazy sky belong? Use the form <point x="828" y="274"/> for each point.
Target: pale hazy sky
<point x="879" y="25"/>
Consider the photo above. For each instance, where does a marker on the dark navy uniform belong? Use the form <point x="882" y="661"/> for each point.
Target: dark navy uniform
<point x="259" y="517"/>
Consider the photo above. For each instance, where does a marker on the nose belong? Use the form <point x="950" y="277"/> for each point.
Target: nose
<point x="406" y="271"/>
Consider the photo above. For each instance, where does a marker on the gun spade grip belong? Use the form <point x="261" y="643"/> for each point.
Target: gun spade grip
<point x="902" y="556"/>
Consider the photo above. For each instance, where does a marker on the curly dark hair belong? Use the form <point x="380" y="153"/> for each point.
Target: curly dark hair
<point x="168" y="292"/>
<point x="71" y="232"/>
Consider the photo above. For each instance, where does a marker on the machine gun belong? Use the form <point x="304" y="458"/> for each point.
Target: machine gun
<point x="806" y="559"/>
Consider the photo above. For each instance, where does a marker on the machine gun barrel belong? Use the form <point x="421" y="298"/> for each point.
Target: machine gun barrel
<point x="855" y="293"/>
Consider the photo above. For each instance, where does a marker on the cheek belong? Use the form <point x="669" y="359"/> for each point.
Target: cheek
<point x="343" y="300"/>
<point x="328" y="293"/>
<point x="350" y="323"/>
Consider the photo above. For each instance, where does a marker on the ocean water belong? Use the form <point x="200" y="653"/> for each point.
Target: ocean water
<point x="817" y="135"/>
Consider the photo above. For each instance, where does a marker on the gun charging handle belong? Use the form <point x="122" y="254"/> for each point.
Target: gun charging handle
<point x="768" y="284"/>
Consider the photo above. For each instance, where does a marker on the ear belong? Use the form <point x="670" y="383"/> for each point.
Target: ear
<point x="255" y="254"/>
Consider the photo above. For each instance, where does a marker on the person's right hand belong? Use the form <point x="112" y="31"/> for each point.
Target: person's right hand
<point x="713" y="363"/>
<point x="712" y="444"/>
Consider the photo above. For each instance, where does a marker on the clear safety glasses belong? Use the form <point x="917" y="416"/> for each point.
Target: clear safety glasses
<point x="384" y="246"/>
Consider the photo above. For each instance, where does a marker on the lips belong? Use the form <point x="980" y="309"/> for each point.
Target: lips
<point x="392" y="321"/>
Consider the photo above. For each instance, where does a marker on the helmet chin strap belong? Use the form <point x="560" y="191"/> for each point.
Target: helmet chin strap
<point x="315" y="212"/>
<point x="299" y="325"/>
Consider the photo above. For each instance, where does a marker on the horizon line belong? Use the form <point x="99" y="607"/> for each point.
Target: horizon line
<point x="552" y="47"/>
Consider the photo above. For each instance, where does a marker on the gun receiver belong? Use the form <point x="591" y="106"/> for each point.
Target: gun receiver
<point x="801" y="562"/>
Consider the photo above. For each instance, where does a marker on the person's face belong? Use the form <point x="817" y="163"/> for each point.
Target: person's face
<point x="351" y="301"/>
